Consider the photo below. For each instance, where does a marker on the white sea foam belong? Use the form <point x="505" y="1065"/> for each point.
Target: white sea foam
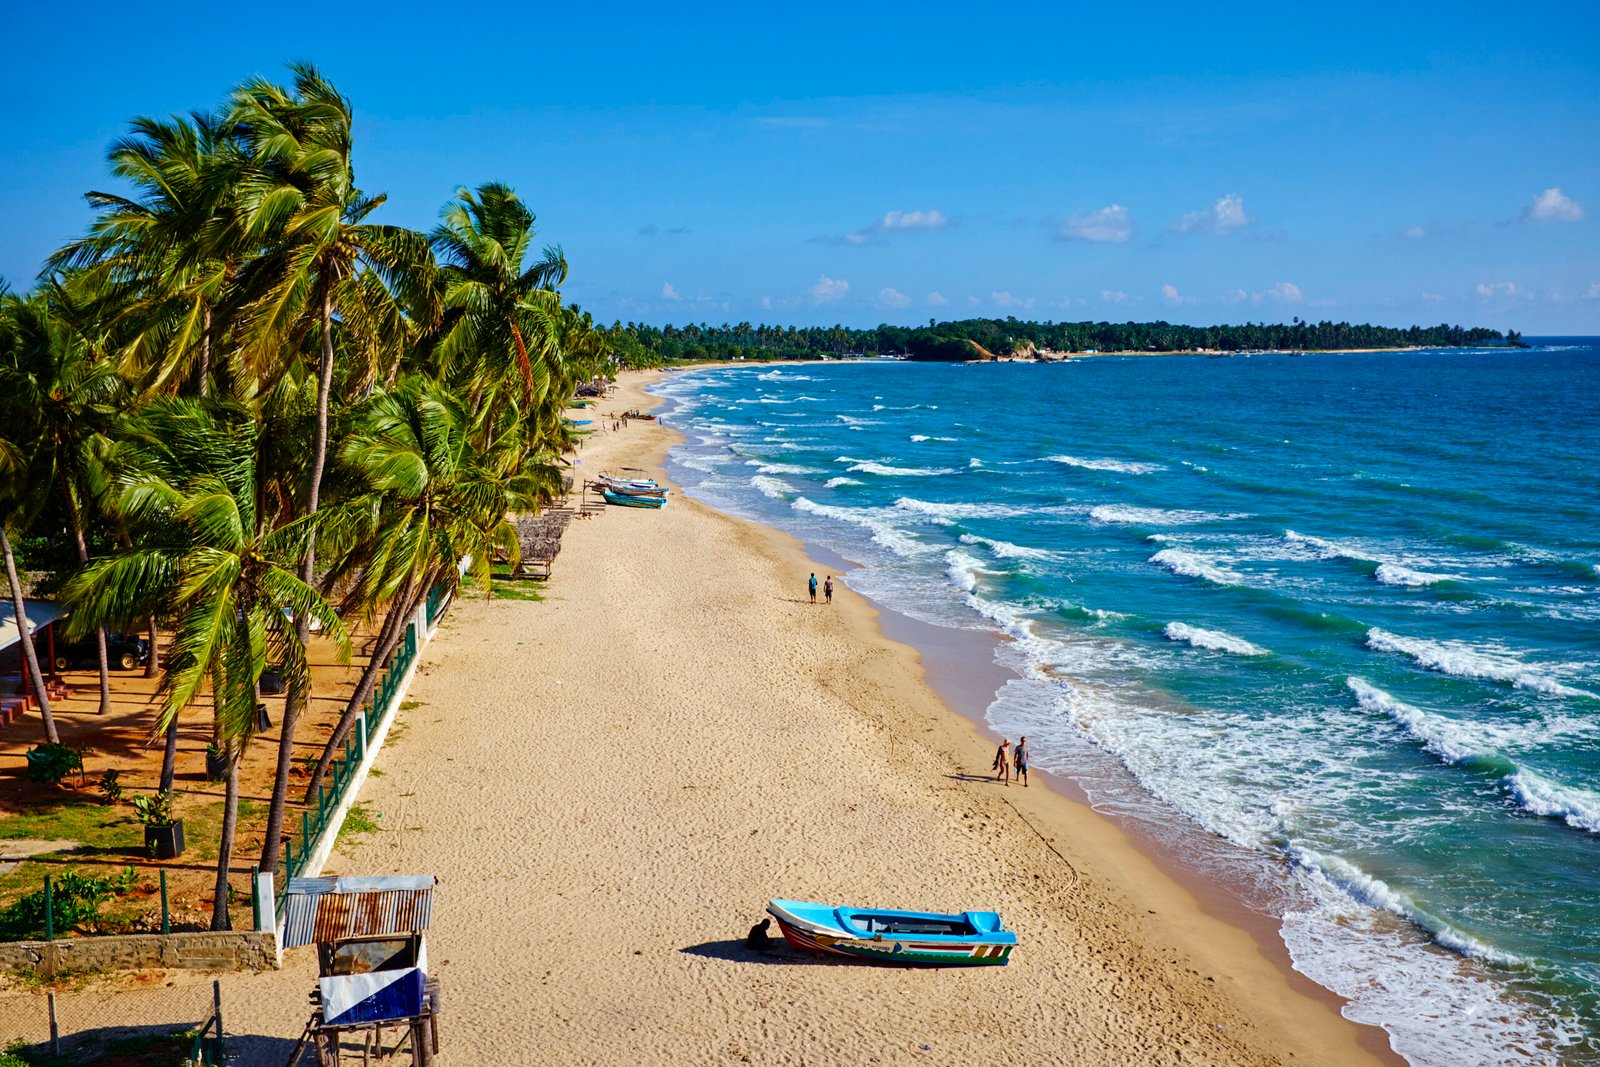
<point x="974" y="462"/>
<point x="935" y="509"/>
<point x="962" y="570"/>
<point x="779" y="376"/>
<point x="1195" y="565"/>
<point x="883" y="531"/>
<point x="850" y="421"/>
<point x="1006" y="549"/>
<point x="1394" y="574"/>
<point x="1452" y="740"/>
<point x="1464" y="660"/>
<point x="1121" y="466"/>
<point x="834" y="483"/>
<point x="872" y="467"/>
<point x="919" y="437"/>
<point x="779" y="468"/>
<point x="1542" y="796"/>
<point x="1215" y="640"/>
<point x="775" y="488"/>
<point x="1125" y="513"/>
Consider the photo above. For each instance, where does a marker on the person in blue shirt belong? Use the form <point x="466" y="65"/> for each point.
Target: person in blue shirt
<point x="813" y="588"/>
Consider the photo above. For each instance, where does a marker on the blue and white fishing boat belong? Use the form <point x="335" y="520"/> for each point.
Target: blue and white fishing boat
<point x="629" y="500"/>
<point x="970" y="938"/>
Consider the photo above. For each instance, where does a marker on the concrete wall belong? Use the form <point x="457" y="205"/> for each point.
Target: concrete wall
<point x="239" y="950"/>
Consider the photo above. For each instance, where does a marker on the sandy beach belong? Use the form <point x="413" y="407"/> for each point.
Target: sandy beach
<point x="612" y="782"/>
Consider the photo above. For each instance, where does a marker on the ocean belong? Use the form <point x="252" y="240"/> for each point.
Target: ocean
<point x="1328" y="625"/>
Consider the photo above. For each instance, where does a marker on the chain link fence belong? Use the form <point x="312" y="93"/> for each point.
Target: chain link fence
<point x="165" y="1027"/>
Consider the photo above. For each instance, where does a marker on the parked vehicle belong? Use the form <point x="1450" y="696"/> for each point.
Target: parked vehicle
<point x="124" y="651"/>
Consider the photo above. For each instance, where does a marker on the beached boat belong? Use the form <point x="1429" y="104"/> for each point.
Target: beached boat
<point x="971" y="938"/>
<point x="633" y="488"/>
<point x="626" y="501"/>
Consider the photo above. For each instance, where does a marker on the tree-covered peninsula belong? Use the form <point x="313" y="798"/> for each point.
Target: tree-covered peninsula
<point x="636" y="344"/>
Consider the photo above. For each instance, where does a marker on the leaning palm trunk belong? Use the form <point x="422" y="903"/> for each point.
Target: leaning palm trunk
<point x="220" y="919"/>
<point x="99" y="631"/>
<point x="152" y="665"/>
<point x="30" y="655"/>
<point x="300" y="687"/>
<point x="394" y="627"/>
<point x="169" y="757"/>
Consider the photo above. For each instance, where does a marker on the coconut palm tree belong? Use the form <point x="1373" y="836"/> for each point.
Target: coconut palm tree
<point x="232" y="573"/>
<point x="432" y="499"/>
<point x="492" y="295"/>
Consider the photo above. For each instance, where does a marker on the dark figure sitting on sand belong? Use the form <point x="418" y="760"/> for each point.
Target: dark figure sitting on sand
<point x="757" y="937"/>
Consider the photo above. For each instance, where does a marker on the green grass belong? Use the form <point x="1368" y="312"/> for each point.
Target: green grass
<point x="358" y="821"/>
<point x="106" y="836"/>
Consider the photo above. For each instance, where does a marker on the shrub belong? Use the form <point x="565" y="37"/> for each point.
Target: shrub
<point x="51" y="762"/>
<point x="74" y="904"/>
<point x="111" y="787"/>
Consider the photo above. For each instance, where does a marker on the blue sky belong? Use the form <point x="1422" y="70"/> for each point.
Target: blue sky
<point x="1392" y="163"/>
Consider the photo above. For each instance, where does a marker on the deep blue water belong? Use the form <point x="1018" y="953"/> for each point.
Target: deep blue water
<point x="1333" y="621"/>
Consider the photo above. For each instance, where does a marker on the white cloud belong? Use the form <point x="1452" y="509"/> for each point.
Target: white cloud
<point x="669" y="293"/>
<point x="1110" y="224"/>
<point x="766" y="303"/>
<point x="1235" y="296"/>
<point x="892" y="298"/>
<point x="1594" y="291"/>
<point x="1491" y="290"/>
<point x="973" y="301"/>
<point x="1553" y="206"/>
<point x="1225" y="216"/>
<point x="937" y="299"/>
<point x="1005" y="299"/>
<point x="1433" y="298"/>
<point x="828" y="289"/>
<point x="1283" y="293"/>
<point x="1113" y="296"/>
<point x="1415" y="231"/>
<point x="914" y="220"/>
<point x="1170" y="294"/>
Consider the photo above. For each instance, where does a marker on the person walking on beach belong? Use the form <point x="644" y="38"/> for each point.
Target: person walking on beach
<point x="1019" y="760"/>
<point x="1002" y="762"/>
<point x="813" y="587"/>
<point x="827" y="590"/>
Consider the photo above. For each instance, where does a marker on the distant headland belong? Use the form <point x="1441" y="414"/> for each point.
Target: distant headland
<point x="639" y="345"/>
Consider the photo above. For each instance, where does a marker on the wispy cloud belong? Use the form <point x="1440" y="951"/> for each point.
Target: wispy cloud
<point x="1223" y="217"/>
<point x="1006" y="299"/>
<point x="1113" y="296"/>
<point x="1500" y="291"/>
<point x="937" y="299"/>
<point x="828" y="289"/>
<point x="1553" y="205"/>
<point x="670" y="292"/>
<point x="892" y="222"/>
<point x="1282" y="293"/>
<point x="892" y="298"/>
<point x="1594" y="291"/>
<point x="1170" y="294"/>
<point x="650" y="229"/>
<point x="1113" y="224"/>
<point x="1433" y="298"/>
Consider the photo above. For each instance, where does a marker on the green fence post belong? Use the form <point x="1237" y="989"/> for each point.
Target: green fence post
<point x="255" y="897"/>
<point x="49" y="912"/>
<point x="305" y="826"/>
<point x="166" y="916"/>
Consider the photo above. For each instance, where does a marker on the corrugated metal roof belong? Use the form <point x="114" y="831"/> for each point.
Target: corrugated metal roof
<point x="327" y="909"/>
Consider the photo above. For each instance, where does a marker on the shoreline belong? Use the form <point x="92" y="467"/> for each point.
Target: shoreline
<point x="954" y="679"/>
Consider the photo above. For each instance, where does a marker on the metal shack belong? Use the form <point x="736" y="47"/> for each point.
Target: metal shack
<point x="372" y="959"/>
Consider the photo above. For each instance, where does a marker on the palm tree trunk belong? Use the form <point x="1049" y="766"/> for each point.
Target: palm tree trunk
<point x="152" y="665"/>
<point x="30" y="656"/>
<point x="169" y="758"/>
<point x="220" y="919"/>
<point x="100" y="631"/>
<point x="300" y="688"/>
<point x="394" y="628"/>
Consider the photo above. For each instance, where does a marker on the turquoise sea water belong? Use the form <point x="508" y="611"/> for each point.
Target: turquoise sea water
<point x="1328" y="624"/>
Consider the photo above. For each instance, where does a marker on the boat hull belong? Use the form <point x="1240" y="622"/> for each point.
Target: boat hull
<point x="897" y="937"/>
<point x="622" y="500"/>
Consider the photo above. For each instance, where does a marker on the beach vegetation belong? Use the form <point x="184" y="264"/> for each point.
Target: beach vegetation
<point x="243" y="407"/>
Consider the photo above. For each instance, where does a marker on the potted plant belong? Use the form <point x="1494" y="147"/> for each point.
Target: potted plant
<point x="163" y="835"/>
<point x="216" y="763"/>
